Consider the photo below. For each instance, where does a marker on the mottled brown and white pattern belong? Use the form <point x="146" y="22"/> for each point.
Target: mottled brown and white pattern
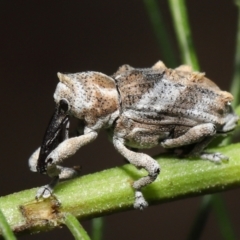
<point x="142" y="108"/>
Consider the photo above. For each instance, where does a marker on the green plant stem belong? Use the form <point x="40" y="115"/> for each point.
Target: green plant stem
<point x="200" y="221"/>
<point x="189" y="56"/>
<point x="235" y="87"/>
<point x="216" y="202"/>
<point x="221" y="213"/>
<point x="110" y="191"/>
<point x="161" y="33"/>
<point x="182" y="28"/>
<point x="97" y="228"/>
<point x="75" y="227"/>
<point x="5" y="228"/>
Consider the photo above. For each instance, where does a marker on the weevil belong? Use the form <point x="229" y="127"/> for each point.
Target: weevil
<point x="142" y="108"/>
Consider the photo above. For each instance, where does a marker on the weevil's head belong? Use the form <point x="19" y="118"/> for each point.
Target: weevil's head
<point x="67" y="96"/>
<point x="72" y="92"/>
<point x="87" y="96"/>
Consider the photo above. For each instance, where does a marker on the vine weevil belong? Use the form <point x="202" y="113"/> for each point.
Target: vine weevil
<point x="142" y="108"/>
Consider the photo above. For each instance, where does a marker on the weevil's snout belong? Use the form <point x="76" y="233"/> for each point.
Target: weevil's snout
<point x="54" y="135"/>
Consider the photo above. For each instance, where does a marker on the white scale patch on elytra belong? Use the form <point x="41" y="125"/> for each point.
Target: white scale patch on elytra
<point x="161" y="96"/>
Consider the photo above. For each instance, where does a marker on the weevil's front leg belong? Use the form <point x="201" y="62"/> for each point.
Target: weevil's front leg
<point x="64" y="174"/>
<point x="47" y="190"/>
<point x="143" y="161"/>
<point x="69" y="147"/>
<point x="63" y="151"/>
<point x="32" y="161"/>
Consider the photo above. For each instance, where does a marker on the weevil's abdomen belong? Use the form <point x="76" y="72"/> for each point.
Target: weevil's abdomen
<point x="181" y="96"/>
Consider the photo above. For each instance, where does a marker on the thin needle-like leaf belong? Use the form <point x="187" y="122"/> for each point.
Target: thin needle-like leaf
<point x="97" y="228"/>
<point x="161" y="33"/>
<point x="182" y="28"/>
<point x="235" y="87"/>
<point x="189" y="56"/>
<point x="75" y="227"/>
<point x="200" y="221"/>
<point x="5" y="228"/>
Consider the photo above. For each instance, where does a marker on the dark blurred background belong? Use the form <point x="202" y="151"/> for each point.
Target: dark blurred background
<point x="40" y="38"/>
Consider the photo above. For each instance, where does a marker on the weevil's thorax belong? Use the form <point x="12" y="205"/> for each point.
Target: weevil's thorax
<point x="92" y="96"/>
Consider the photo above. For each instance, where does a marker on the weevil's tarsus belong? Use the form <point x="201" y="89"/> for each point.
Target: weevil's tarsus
<point x="214" y="157"/>
<point x="47" y="190"/>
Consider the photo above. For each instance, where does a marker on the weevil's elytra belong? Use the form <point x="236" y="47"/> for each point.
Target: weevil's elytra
<point x="142" y="108"/>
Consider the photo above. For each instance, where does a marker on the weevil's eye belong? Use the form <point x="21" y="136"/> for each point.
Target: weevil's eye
<point x="64" y="105"/>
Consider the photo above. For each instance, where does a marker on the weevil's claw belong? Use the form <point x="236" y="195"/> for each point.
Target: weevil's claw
<point x="44" y="192"/>
<point x="47" y="190"/>
<point x="140" y="202"/>
<point x="214" y="157"/>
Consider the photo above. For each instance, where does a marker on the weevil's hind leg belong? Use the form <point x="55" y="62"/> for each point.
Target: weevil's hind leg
<point x="143" y="161"/>
<point x="204" y="132"/>
<point x="216" y="157"/>
<point x="193" y="135"/>
<point x="198" y="151"/>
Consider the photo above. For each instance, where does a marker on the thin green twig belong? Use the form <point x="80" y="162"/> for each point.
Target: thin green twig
<point x="200" y="220"/>
<point x="178" y="179"/>
<point x="235" y="87"/>
<point x="189" y="56"/>
<point x="162" y="35"/>
<point x="5" y="228"/>
<point x="75" y="227"/>
<point x="97" y="228"/>
<point x="223" y="217"/>
<point x="182" y="28"/>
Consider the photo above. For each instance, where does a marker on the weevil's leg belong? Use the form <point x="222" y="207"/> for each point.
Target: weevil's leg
<point x="32" y="161"/>
<point x="214" y="157"/>
<point x="70" y="146"/>
<point x="47" y="190"/>
<point x="198" y="151"/>
<point x="193" y="135"/>
<point x="64" y="174"/>
<point x="68" y="173"/>
<point x="139" y="160"/>
<point x="63" y="151"/>
<point x="203" y="134"/>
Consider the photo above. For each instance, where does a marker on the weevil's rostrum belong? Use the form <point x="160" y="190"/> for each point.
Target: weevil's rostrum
<point x="143" y="108"/>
